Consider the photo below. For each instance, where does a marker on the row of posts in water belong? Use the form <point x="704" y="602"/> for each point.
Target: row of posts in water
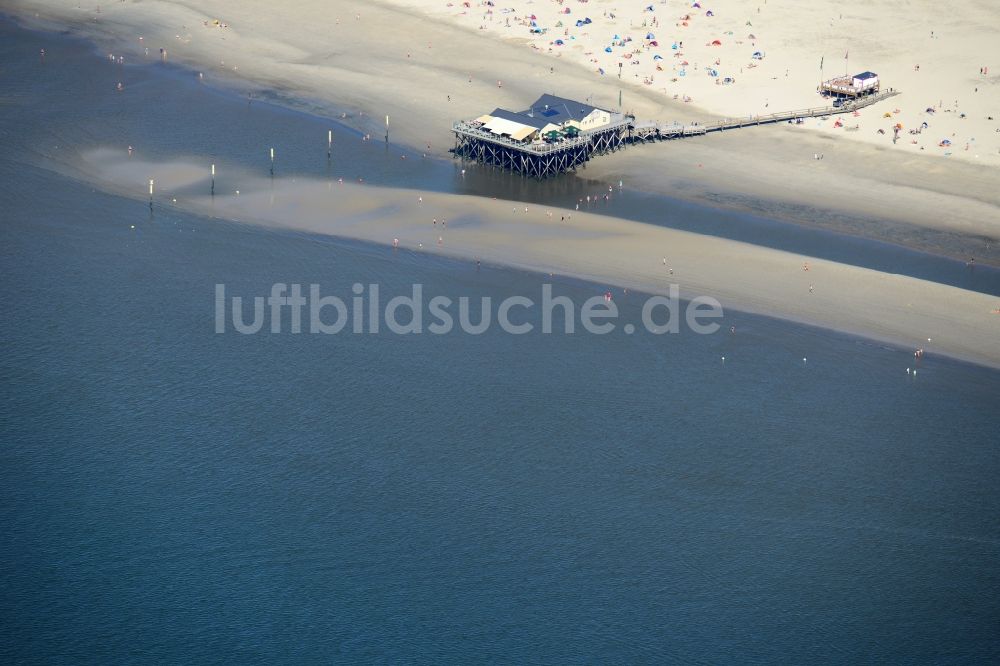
<point x="329" y="156"/>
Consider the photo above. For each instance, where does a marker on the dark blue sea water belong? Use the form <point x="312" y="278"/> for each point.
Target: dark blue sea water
<point x="172" y="495"/>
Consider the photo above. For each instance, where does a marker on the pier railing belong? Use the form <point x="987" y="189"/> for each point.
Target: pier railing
<point x="471" y="129"/>
<point x="813" y="112"/>
<point x="652" y="128"/>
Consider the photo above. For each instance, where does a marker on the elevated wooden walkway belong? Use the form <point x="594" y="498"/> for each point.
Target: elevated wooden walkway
<point x="652" y="130"/>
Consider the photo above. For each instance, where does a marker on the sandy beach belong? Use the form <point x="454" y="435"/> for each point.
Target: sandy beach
<point x="360" y="61"/>
<point x="740" y="58"/>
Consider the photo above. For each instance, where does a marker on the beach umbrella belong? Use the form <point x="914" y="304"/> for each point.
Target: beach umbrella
<point x="657" y="57"/>
<point x="607" y="49"/>
<point x="650" y="35"/>
<point x="716" y="42"/>
<point x="654" y="43"/>
<point x="559" y="42"/>
<point x="709" y="13"/>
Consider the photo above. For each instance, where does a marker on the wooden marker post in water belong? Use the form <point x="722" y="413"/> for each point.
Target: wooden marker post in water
<point x="329" y="144"/>
<point x="150" y="195"/>
<point x="213" y="180"/>
<point x="272" y="162"/>
<point x="387" y="129"/>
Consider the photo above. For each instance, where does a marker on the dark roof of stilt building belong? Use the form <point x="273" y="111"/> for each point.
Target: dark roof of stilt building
<point x="559" y="109"/>
<point x="547" y="109"/>
<point x="538" y="122"/>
